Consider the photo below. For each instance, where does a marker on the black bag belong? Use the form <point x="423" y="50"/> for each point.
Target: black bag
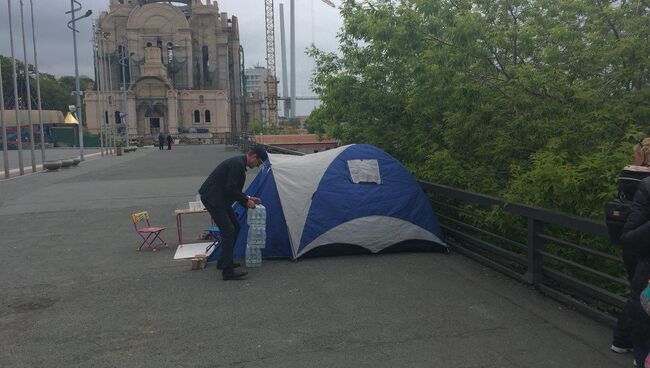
<point x="617" y="211"/>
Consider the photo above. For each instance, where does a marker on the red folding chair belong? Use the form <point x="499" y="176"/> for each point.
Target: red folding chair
<point x="152" y="232"/>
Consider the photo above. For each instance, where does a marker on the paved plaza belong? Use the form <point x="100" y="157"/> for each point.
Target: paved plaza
<point x="74" y="292"/>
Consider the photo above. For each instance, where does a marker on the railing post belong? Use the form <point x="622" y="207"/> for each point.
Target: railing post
<point x="535" y="259"/>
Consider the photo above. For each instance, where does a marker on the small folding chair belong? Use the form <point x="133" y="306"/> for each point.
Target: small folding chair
<point x="215" y="233"/>
<point x="152" y="232"/>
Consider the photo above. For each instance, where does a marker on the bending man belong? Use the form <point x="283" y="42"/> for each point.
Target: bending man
<point x="218" y="193"/>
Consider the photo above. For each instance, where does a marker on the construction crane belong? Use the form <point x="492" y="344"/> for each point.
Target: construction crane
<point x="271" y="80"/>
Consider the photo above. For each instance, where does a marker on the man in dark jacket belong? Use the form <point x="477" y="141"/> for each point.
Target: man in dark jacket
<point x="169" y="141"/>
<point x="636" y="253"/>
<point x="218" y="193"/>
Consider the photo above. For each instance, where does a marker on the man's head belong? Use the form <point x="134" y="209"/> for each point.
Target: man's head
<point x="255" y="157"/>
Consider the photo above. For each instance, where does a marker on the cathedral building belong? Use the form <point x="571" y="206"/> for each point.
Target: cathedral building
<point x="170" y="67"/>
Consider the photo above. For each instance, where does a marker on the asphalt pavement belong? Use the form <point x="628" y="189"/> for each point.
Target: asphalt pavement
<point x="74" y="292"/>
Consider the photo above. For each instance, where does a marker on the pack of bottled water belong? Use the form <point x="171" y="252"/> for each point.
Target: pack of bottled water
<point x="256" y="235"/>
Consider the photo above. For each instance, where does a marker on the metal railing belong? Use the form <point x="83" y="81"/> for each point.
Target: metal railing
<point x="565" y="257"/>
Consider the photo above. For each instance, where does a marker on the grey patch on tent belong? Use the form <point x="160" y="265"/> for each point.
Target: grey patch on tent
<point x="364" y="171"/>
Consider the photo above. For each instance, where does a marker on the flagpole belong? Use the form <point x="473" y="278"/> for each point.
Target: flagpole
<point x="28" y="91"/>
<point x="38" y="85"/>
<point x="5" y="150"/>
<point x="19" y="133"/>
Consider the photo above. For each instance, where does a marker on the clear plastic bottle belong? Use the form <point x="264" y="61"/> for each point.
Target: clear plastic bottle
<point x="258" y="236"/>
<point x="253" y="257"/>
<point x="257" y="259"/>
<point x="261" y="240"/>
<point x="249" y="256"/>
<point x="257" y="215"/>
<point x="251" y="236"/>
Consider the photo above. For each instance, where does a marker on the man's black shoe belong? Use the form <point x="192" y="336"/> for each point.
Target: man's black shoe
<point x="234" y="265"/>
<point x="233" y="275"/>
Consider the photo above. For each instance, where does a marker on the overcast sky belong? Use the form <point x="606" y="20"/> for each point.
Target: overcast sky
<point x="315" y="22"/>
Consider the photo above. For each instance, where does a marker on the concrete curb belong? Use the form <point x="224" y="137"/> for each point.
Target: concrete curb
<point x="14" y="173"/>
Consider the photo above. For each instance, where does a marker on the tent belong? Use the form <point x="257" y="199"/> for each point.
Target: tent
<point x="355" y="195"/>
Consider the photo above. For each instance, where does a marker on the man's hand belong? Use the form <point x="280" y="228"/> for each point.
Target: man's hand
<point x="255" y="199"/>
<point x="250" y="203"/>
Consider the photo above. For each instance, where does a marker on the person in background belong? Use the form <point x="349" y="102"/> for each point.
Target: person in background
<point x="629" y="180"/>
<point x="169" y="141"/>
<point x="161" y="141"/>
<point x="220" y="190"/>
<point x="636" y="246"/>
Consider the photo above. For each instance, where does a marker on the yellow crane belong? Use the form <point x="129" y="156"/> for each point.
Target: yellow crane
<point x="271" y="80"/>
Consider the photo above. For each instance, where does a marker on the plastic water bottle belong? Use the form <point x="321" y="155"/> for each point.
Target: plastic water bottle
<point x="251" y="236"/>
<point x="262" y="238"/>
<point x="252" y="216"/>
<point x="253" y="257"/>
<point x="258" y="257"/>
<point x="249" y="256"/>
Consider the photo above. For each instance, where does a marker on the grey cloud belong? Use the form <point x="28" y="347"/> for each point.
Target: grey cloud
<point x="54" y="39"/>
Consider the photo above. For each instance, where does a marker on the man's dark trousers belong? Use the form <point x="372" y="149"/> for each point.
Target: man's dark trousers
<point x="226" y="220"/>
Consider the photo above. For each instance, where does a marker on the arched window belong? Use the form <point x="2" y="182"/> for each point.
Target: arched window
<point x="123" y="58"/>
<point x="197" y="117"/>
<point x="110" y="100"/>
<point x="206" y="64"/>
<point x="149" y="44"/>
<point x="207" y="116"/>
<point x="170" y="57"/>
<point x="201" y="99"/>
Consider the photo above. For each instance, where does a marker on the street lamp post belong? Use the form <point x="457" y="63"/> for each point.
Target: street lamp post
<point x="104" y="86"/>
<point x="98" y="88"/>
<point x="76" y="69"/>
<point x="123" y="116"/>
<point x="105" y="90"/>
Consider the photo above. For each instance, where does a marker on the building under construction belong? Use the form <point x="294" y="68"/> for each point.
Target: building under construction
<point x="163" y="67"/>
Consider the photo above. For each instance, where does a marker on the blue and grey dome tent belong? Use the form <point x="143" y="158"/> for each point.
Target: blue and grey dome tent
<point x="355" y="194"/>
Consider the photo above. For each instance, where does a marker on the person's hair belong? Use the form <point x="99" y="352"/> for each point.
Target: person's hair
<point x="260" y="153"/>
<point x="642" y="153"/>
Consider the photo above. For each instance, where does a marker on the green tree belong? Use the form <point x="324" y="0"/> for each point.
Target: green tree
<point x="534" y="101"/>
<point x="55" y="94"/>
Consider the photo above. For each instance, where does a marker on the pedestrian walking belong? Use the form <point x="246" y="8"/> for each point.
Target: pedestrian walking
<point x="161" y="141"/>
